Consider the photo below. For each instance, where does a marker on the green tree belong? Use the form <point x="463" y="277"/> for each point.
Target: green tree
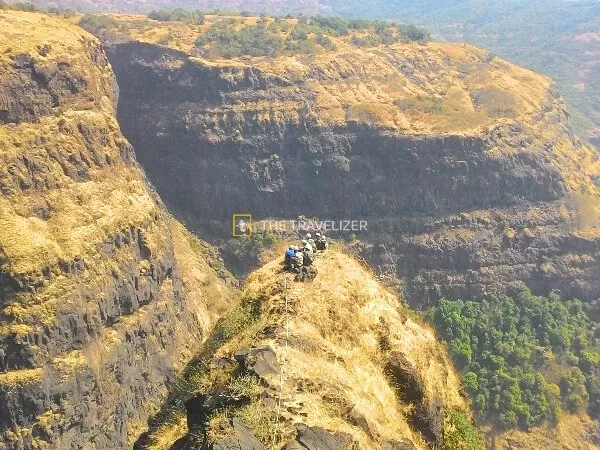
<point x="460" y="434"/>
<point x="470" y="382"/>
<point x="195" y="17"/>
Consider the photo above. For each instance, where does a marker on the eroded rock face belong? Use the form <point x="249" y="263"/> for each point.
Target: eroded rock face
<point x="428" y="411"/>
<point x="95" y="319"/>
<point x="459" y="206"/>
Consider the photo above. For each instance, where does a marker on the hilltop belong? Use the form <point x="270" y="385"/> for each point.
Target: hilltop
<point x="349" y="363"/>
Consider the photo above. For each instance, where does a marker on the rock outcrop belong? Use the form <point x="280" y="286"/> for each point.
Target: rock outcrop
<point x="103" y="297"/>
<point x="464" y="165"/>
<point x="330" y="364"/>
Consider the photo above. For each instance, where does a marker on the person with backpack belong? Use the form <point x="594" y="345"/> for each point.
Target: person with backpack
<point x="298" y="259"/>
<point x="311" y="241"/>
<point x="321" y="242"/>
<point x="308" y="253"/>
<point x="306" y="245"/>
<point x="288" y="262"/>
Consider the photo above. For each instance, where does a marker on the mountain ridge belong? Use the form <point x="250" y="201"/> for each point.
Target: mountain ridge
<point x="339" y="353"/>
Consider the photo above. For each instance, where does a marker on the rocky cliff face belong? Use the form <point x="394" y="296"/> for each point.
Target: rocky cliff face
<point x="464" y="165"/>
<point x="99" y="304"/>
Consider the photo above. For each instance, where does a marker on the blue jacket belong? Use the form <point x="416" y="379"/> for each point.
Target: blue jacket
<point x="289" y="255"/>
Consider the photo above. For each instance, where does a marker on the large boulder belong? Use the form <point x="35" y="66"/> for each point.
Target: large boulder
<point x="240" y="439"/>
<point x="316" y="438"/>
<point x="261" y="360"/>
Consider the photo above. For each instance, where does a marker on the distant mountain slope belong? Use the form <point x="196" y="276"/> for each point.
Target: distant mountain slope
<point x="556" y="37"/>
<point x="458" y="159"/>
<point x="271" y="6"/>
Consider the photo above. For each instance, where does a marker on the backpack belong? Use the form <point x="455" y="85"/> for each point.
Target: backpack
<point x="309" y="257"/>
<point x="289" y="256"/>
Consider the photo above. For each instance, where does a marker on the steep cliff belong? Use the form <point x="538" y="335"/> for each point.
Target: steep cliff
<point x="103" y="297"/>
<point x="335" y="363"/>
<point x="464" y="165"/>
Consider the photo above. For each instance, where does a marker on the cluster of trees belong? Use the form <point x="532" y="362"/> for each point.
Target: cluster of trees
<point x="524" y="358"/>
<point x="267" y="38"/>
<point x="383" y="32"/>
<point x="253" y="40"/>
<point x="100" y="25"/>
<point x="195" y="17"/>
<point x="21" y="6"/>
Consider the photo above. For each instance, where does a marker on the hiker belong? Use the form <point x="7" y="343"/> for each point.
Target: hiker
<point x="298" y="259"/>
<point x="311" y="241"/>
<point x="321" y="242"/>
<point x="306" y="245"/>
<point x="288" y="262"/>
<point x="308" y="253"/>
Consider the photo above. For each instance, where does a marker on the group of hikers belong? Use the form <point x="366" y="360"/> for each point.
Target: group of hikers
<point x="299" y="260"/>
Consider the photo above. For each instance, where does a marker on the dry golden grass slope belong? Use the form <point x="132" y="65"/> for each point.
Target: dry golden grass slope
<point x="48" y="152"/>
<point x="103" y="297"/>
<point x="334" y="346"/>
<point x="343" y="328"/>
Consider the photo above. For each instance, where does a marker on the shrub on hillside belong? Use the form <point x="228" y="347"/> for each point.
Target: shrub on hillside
<point x="414" y="33"/>
<point x="325" y="42"/>
<point x="460" y="433"/>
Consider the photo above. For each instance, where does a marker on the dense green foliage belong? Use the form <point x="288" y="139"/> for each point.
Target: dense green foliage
<point x="525" y="358"/>
<point x="183" y="15"/>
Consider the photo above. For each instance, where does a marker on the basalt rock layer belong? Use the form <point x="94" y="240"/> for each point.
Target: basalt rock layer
<point x="103" y="297"/>
<point x="464" y="165"/>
